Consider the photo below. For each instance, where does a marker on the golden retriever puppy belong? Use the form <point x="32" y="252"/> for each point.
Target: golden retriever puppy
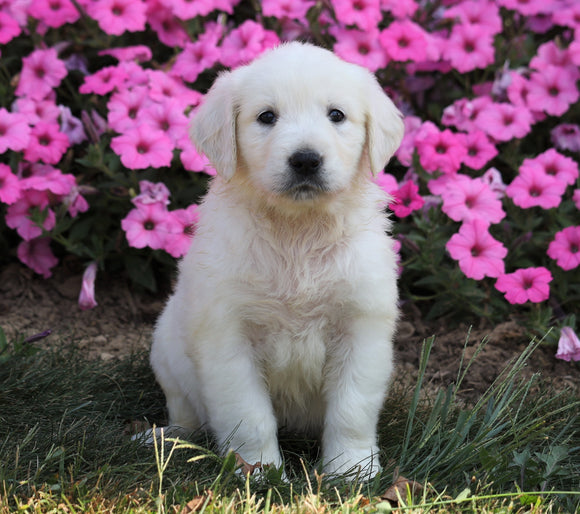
<point x="286" y="304"/>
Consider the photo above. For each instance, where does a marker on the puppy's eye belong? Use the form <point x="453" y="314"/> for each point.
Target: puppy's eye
<point x="267" y="118"/>
<point x="336" y="116"/>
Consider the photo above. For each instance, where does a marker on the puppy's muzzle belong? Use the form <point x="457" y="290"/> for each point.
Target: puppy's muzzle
<point x="306" y="178"/>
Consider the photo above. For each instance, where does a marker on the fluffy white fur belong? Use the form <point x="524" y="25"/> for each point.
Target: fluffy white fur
<point x="286" y="303"/>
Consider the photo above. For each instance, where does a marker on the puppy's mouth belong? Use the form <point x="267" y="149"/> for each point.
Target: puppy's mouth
<point x="304" y="189"/>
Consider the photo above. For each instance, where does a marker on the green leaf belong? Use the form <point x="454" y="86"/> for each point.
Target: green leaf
<point x="463" y="495"/>
<point x="3" y="341"/>
<point x="141" y="272"/>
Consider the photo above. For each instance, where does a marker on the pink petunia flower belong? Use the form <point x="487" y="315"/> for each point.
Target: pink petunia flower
<point x="566" y="136"/>
<point x="407" y="147"/>
<point x="167" y="117"/>
<point x="245" y="43"/>
<point x="87" y="293"/>
<point x="565" y="248"/>
<point x="17" y="9"/>
<point x="576" y="198"/>
<point x="539" y="23"/>
<point x="219" y="5"/>
<point x="14" y="131"/>
<point x="526" y="7"/>
<point x="503" y="121"/>
<point x="146" y="225"/>
<point x="472" y="199"/>
<point x="517" y="93"/>
<point x="567" y="15"/>
<point x="360" y="47"/>
<point x="480" y="150"/>
<point x="37" y="255"/>
<point x="117" y="16"/>
<point x="42" y="71"/>
<point x="169" y="28"/>
<point x="286" y="9"/>
<point x="550" y="54"/>
<point x="469" y="47"/>
<point x="43" y="177"/>
<point x="151" y="192"/>
<point x="555" y="165"/>
<point x="464" y="114"/>
<point x="139" y="53"/>
<point x="492" y="177"/>
<point x="47" y="143"/>
<point x="37" y="110"/>
<point x="407" y="199"/>
<point x="163" y="88"/>
<point x="181" y="230"/>
<point x="104" y="81"/>
<point x="405" y="41"/>
<point x="365" y="14"/>
<point x="554" y="89"/>
<point x="387" y="182"/>
<point x="523" y="285"/>
<point x="533" y="188"/>
<point x="9" y="185"/>
<point x="478" y="253"/>
<point x="136" y="75"/>
<point x="75" y="201"/>
<point x="195" y="58"/>
<point x="568" y="345"/>
<point x="71" y="126"/>
<point x="54" y="13"/>
<point x="186" y="10"/>
<point x="124" y="108"/>
<point x="142" y="147"/>
<point x="19" y="215"/>
<point x="518" y="89"/>
<point x="484" y="14"/>
<point x="399" y="8"/>
<point x="191" y="159"/>
<point x="9" y="28"/>
<point x="440" y="150"/>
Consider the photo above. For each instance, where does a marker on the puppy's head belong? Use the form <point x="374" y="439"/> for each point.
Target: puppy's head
<point x="298" y="123"/>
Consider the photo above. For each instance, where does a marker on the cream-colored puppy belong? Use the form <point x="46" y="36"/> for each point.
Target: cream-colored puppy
<point x="286" y="303"/>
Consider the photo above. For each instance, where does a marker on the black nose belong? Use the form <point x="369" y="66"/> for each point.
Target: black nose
<point x="305" y="162"/>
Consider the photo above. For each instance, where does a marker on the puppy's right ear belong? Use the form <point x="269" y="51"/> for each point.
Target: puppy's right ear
<point x="213" y="129"/>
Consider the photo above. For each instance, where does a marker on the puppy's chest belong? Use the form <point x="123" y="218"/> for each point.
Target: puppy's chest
<point x="295" y="314"/>
<point x="296" y="292"/>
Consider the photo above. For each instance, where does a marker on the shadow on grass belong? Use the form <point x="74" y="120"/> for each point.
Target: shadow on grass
<point x="64" y="420"/>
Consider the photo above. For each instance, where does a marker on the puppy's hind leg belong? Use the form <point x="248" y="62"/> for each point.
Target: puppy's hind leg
<point x="177" y="377"/>
<point x="183" y="415"/>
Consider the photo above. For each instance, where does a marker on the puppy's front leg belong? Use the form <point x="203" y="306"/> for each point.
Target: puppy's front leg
<point x="358" y="378"/>
<point x="239" y="408"/>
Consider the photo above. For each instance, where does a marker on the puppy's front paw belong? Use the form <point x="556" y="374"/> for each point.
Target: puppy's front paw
<point x="353" y="463"/>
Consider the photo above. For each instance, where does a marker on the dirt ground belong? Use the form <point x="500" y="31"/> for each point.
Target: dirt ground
<point x="123" y="321"/>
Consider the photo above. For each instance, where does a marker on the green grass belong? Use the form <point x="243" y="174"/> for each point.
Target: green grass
<point x="63" y="447"/>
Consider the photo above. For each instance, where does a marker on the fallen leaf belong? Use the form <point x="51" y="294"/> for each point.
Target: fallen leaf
<point x="133" y="427"/>
<point x="245" y="467"/>
<point x="196" y="503"/>
<point x="363" y="501"/>
<point x="401" y="485"/>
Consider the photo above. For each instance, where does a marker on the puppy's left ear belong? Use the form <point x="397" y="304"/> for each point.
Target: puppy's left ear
<point x="213" y="129"/>
<point x="384" y="127"/>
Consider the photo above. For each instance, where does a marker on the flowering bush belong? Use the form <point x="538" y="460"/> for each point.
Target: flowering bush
<point x="95" y="160"/>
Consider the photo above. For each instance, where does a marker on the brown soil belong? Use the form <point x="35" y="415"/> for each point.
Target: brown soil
<point x="123" y="321"/>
